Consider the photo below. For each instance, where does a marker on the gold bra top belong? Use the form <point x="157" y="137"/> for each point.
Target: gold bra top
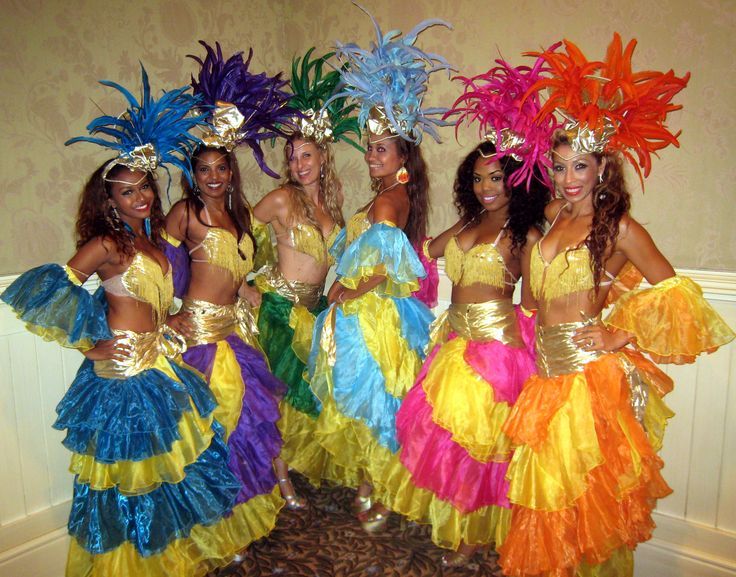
<point x="357" y="225"/>
<point x="223" y="250"/>
<point x="307" y="239"/>
<point x="144" y="281"/>
<point x="568" y="272"/>
<point x="481" y="264"/>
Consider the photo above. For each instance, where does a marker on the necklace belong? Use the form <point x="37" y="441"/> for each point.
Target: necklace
<point x="394" y="185"/>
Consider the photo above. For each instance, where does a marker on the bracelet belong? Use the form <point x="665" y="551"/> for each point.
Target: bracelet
<point x="425" y="248"/>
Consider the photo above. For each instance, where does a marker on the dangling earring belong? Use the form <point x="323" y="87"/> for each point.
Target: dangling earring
<point x="230" y="190"/>
<point x="113" y="218"/>
<point x="402" y="175"/>
<point x="321" y="171"/>
<point x="600" y="178"/>
<point x="147" y="227"/>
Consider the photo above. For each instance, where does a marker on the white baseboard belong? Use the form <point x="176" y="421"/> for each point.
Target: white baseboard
<point x="44" y="556"/>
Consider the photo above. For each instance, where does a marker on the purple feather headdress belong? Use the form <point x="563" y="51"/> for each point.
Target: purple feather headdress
<point x="496" y="101"/>
<point x="389" y="82"/>
<point x="244" y="107"/>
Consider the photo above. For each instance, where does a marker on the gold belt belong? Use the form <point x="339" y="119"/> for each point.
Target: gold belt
<point x="298" y="292"/>
<point x="212" y="323"/>
<point x="557" y="354"/>
<point x="489" y="321"/>
<point x="145" y="349"/>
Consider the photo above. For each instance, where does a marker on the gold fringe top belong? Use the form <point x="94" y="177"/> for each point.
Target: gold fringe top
<point x="144" y="281"/>
<point x="223" y="250"/>
<point x="569" y="272"/>
<point x="308" y="240"/>
<point x="481" y="264"/>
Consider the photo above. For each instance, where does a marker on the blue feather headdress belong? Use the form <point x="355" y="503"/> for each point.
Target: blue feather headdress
<point x="150" y="133"/>
<point x="243" y="107"/>
<point x="390" y="80"/>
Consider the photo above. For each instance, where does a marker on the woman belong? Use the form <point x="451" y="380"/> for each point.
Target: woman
<point x="369" y="345"/>
<point x="306" y="218"/>
<point x="152" y="493"/>
<point x="213" y="223"/>
<point x="305" y="214"/>
<point x="586" y="475"/>
<point x="453" y="456"/>
<point x="449" y="425"/>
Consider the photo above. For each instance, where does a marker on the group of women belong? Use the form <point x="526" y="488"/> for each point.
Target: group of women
<point x="533" y="428"/>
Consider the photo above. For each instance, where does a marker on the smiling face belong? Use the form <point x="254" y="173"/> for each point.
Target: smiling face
<point x="489" y="186"/>
<point x="212" y="172"/>
<point x="383" y="156"/>
<point x="575" y="174"/>
<point x="131" y="194"/>
<point x="305" y="161"/>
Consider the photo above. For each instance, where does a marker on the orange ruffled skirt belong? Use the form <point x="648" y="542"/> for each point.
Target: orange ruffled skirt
<point x="585" y="475"/>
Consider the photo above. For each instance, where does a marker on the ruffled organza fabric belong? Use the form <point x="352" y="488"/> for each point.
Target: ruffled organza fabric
<point x="49" y="300"/>
<point x="585" y="476"/>
<point x="247" y="395"/>
<point x="367" y="351"/>
<point x="454" y="455"/>
<point x="671" y="321"/>
<point x="429" y="285"/>
<point x="153" y="494"/>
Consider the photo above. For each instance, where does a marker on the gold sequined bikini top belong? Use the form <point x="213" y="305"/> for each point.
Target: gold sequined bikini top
<point x="567" y="273"/>
<point x="482" y="264"/>
<point x="223" y="250"/>
<point x="144" y="281"/>
<point x="307" y="239"/>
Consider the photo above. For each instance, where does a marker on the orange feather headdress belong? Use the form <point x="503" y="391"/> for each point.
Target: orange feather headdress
<point x="607" y="106"/>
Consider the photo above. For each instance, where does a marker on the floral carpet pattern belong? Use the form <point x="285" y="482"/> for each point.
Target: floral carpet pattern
<point x="325" y="540"/>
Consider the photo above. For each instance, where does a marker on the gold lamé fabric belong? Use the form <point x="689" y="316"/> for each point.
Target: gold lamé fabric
<point x="489" y="321"/>
<point x="315" y="124"/>
<point x="145" y="349"/>
<point x="226" y="123"/>
<point x="557" y="354"/>
<point x="298" y="292"/>
<point x="212" y="323"/>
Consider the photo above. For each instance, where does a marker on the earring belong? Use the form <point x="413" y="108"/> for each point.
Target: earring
<point x="230" y="190"/>
<point x="147" y="227"/>
<point x="113" y="218"/>
<point x="321" y="171"/>
<point x="402" y="175"/>
<point x="600" y="178"/>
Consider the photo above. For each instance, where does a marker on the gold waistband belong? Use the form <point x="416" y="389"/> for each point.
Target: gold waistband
<point x="557" y="354"/>
<point x="145" y="349"/>
<point x="298" y="292"/>
<point x="491" y="320"/>
<point x="212" y="323"/>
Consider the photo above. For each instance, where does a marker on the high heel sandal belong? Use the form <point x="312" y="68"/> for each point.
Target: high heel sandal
<point x="459" y="559"/>
<point x="361" y="505"/>
<point x="375" y="521"/>
<point x="293" y="502"/>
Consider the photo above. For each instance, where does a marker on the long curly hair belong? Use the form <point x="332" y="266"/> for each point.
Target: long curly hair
<point x="611" y="202"/>
<point x="95" y="217"/>
<point x="239" y="213"/>
<point x="417" y="188"/>
<point x="302" y="207"/>
<point x="526" y="205"/>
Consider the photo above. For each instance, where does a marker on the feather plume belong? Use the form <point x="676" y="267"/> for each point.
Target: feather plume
<point x="609" y="105"/>
<point x="392" y="76"/>
<point x="495" y="100"/>
<point x="259" y="98"/>
<point x="150" y="132"/>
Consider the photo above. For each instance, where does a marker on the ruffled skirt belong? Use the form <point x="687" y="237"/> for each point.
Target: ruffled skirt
<point x="365" y="356"/>
<point x="454" y="456"/>
<point x="585" y="475"/>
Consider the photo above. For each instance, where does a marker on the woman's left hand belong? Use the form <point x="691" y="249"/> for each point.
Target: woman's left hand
<point x="250" y="294"/>
<point x="598" y="338"/>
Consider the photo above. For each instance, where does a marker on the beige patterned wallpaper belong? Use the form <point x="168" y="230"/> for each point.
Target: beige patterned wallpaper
<point x="54" y="52"/>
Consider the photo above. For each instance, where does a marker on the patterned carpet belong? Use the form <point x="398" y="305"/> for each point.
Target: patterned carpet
<point x="326" y="541"/>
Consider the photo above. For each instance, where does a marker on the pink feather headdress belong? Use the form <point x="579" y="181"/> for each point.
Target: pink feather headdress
<point x="496" y="101"/>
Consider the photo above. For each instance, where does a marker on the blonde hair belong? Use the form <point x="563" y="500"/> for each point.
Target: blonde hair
<point x="302" y="208"/>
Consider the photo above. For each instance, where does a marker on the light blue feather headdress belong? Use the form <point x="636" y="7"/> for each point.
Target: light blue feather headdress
<point x="150" y="133"/>
<point x="390" y="80"/>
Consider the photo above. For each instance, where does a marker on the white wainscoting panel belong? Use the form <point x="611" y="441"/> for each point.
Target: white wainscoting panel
<point x="696" y="525"/>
